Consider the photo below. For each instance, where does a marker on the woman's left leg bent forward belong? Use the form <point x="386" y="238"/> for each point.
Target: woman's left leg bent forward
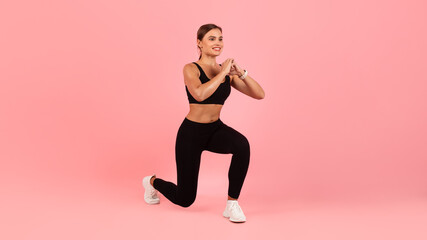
<point x="227" y="140"/>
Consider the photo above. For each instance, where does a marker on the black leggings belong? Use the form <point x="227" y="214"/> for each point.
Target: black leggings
<point x="192" y="139"/>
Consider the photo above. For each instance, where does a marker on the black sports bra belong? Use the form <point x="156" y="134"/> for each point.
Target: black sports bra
<point x="218" y="97"/>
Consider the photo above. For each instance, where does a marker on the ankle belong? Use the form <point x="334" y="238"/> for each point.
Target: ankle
<point x="152" y="180"/>
<point x="230" y="198"/>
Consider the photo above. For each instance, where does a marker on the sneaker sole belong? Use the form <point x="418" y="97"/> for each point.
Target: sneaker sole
<point x="237" y="221"/>
<point x="224" y="214"/>
<point x="153" y="200"/>
<point x="152" y="203"/>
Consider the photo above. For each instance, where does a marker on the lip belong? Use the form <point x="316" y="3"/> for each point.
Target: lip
<point x="216" y="49"/>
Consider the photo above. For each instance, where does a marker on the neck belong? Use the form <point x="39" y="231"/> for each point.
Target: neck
<point x="208" y="60"/>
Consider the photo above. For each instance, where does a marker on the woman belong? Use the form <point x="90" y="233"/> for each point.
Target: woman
<point x="208" y="85"/>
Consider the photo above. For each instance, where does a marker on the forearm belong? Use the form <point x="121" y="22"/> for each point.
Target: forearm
<point x="253" y="86"/>
<point x="206" y="89"/>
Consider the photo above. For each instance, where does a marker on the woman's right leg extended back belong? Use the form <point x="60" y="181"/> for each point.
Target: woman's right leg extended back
<point x="188" y="150"/>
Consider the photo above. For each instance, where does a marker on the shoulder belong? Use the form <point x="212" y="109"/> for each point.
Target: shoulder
<point x="191" y="73"/>
<point x="190" y="68"/>
<point x="190" y="65"/>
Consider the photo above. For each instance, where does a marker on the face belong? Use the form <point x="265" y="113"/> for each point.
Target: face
<point x="212" y="43"/>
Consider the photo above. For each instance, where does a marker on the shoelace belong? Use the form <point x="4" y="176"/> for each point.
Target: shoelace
<point x="235" y="208"/>
<point x="153" y="192"/>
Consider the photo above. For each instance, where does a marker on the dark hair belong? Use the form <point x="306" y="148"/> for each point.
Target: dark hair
<point x="202" y="32"/>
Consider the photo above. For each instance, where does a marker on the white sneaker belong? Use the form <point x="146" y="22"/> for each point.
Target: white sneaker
<point x="234" y="212"/>
<point x="150" y="195"/>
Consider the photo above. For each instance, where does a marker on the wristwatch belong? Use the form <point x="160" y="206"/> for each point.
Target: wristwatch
<point x="244" y="75"/>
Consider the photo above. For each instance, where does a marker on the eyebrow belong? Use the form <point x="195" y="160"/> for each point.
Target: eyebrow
<point x="214" y="36"/>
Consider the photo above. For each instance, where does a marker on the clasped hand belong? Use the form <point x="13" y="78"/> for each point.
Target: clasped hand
<point x="234" y="68"/>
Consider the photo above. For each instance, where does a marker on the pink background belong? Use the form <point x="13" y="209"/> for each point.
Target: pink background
<point x="92" y="95"/>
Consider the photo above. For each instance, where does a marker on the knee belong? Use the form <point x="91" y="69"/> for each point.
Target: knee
<point x="243" y="144"/>
<point x="186" y="196"/>
<point x="187" y="202"/>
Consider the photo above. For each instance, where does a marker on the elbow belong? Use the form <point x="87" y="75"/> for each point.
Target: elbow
<point x="199" y="98"/>
<point x="196" y="95"/>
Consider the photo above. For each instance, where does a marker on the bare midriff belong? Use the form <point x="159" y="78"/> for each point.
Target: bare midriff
<point x="204" y="113"/>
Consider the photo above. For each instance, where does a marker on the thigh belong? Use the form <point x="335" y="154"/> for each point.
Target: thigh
<point x="226" y="140"/>
<point x="187" y="154"/>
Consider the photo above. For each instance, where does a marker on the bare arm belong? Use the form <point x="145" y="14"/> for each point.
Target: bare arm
<point x="248" y="86"/>
<point x="200" y="91"/>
